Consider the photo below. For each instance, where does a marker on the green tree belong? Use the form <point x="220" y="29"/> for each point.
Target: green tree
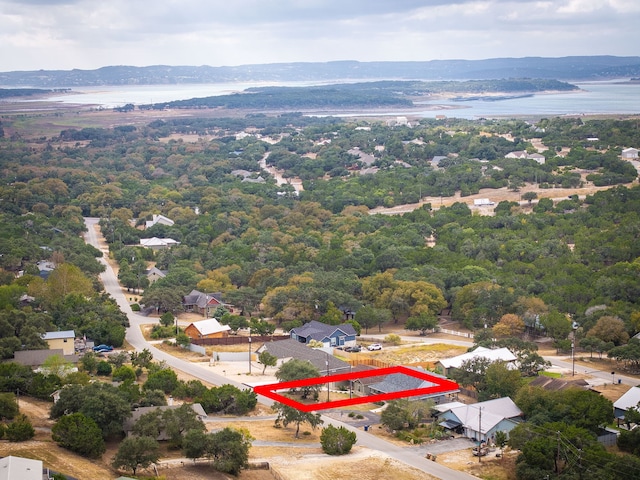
<point x="178" y="421"/>
<point x="194" y="444"/>
<point x="136" y="452"/>
<point x="228" y="399"/>
<point x="333" y="315"/>
<point x="142" y="359"/>
<point x="422" y="323"/>
<point x="287" y="415"/>
<point x="229" y="449"/>
<point x="20" y="430"/>
<point x="472" y="373"/>
<point x="79" y="434"/>
<point x="89" y="362"/>
<point x="296" y="369"/>
<point x="164" y="379"/>
<point x="267" y="360"/>
<point x="500" y="381"/>
<point x="337" y="441"/>
<point x="396" y="416"/>
<point x="8" y="406"/>
<point x="167" y="319"/>
<point x="102" y="402"/>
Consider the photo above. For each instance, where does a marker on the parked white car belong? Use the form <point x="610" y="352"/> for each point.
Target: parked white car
<point x="374" y="346"/>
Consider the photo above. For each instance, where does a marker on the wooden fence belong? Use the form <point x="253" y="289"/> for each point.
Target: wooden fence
<point x="237" y="339"/>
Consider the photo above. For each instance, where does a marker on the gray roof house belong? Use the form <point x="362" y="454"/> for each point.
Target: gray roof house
<point x="35" y="358"/>
<point x="329" y="335"/>
<point x="481" y="421"/>
<point x="154" y="274"/>
<point x="204" y="303"/>
<point x="289" y="349"/>
<point x="398" y="382"/>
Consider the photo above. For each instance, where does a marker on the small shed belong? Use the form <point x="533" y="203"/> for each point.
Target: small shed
<point x="209" y="328"/>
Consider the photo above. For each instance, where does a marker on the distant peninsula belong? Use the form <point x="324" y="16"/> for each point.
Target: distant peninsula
<point x="367" y="95"/>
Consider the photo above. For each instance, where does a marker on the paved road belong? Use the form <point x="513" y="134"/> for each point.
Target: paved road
<point x="135" y="338"/>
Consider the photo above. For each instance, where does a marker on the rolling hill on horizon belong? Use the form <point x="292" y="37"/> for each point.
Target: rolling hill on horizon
<point x="576" y="68"/>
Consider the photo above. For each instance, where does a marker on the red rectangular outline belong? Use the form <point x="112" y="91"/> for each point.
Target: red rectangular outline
<point x="441" y="385"/>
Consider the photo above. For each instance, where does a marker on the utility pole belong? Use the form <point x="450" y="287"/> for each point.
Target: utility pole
<point x="327" y="362"/>
<point x="249" y="350"/>
<point x="479" y="434"/>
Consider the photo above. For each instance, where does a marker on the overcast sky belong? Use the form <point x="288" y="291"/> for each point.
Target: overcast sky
<point x="88" y="34"/>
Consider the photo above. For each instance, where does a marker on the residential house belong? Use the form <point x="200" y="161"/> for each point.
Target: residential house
<point x="329" y="335"/>
<point x="521" y="154"/>
<point x="630" y="154"/>
<point x="446" y="365"/>
<point x="631" y="399"/>
<point x="19" y="468"/>
<point x="36" y="358"/>
<point x="155" y="243"/>
<point x="204" y="303"/>
<point x="159" y="220"/>
<point x="130" y="422"/>
<point x="45" y="268"/>
<point x="517" y="154"/>
<point x="398" y="382"/>
<point x="558" y="384"/>
<point x="209" y="328"/>
<point x="64" y="340"/>
<point x="361" y="385"/>
<point x="154" y="274"/>
<point x="289" y="349"/>
<point x="480" y="421"/>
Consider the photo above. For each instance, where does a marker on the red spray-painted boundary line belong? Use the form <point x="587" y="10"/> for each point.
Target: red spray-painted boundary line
<point x="441" y="385"/>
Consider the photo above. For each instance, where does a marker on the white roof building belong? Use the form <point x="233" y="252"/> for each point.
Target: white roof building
<point x="630" y="399"/>
<point x="159" y="219"/>
<point x="209" y="326"/>
<point x="18" y="468"/>
<point x="497" y="355"/>
<point x="59" y="335"/>
<point x="158" y="243"/>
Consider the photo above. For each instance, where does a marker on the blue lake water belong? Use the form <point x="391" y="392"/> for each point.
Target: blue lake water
<point x="594" y="98"/>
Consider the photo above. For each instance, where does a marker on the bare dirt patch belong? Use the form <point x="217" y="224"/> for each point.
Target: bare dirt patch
<point x="362" y="464"/>
<point x="490" y="466"/>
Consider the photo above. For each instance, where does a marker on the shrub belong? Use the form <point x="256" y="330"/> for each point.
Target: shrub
<point x="135" y="307"/>
<point x="159" y="331"/>
<point x="393" y="339"/>
<point x="124" y="373"/>
<point x="104" y="368"/>
<point x="337" y="441"/>
<point x="20" y="429"/>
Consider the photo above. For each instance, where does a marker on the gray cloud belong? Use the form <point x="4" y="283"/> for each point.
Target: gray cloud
<point x="89" y="33"/>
